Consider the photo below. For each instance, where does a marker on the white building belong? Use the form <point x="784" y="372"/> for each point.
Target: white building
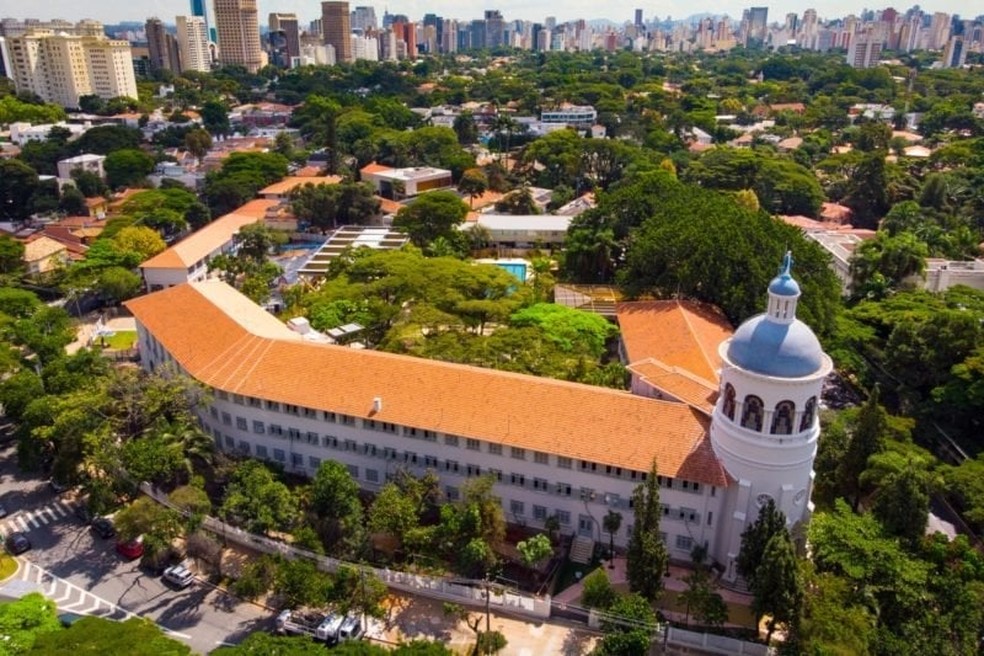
<point x="84" y="162"/>
<point x="22" y="133"/>
<point x="557" y="449"/>
<point x="518" y="232"/>
<point x="62" y="67"/>
<point x="399" y="184"/>
<point x="193" y="44"/>
<point x="575" y="115"/>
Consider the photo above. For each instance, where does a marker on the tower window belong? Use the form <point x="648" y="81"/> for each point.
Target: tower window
<point x="752" y="413"/>
<point x="809" y="412"/>
<point x="729" y="401"/>
<point x="782" y="418"/>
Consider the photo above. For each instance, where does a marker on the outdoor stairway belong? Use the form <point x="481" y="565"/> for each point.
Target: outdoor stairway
<point x="582" y="549"/>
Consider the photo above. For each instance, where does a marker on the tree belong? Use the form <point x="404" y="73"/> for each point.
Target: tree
<point x="777" y="589"/>
<point x="534" y="550"/>
<point x="23" y="621"/>
<point x="18" y="182"/>
<point x="119" y="284"/>
<point x="867" y="439"/>
<point x="335" y="502"/>
<point x="327" y="206"/>
<point x="571" y="330"/>
<point x="358" y="589"/>
<point x="902" y="505"/>
<point x="393" y="512"/>
<point x="215" y="117"/>
<point x="465" y="128"/>
<point x="198" y="142"/>
<point x="886" y="263"/>
<point x="73" y="202"/>
<point x="145" y="517"/>
<point x="89" y="183"/>
<point x="770" y="522"/>
<point x="258" y="501"/>
<point x="298" y="583"/>
<point x="261" y="643"/>
<point x="127" y="168"/>
<point x="473" y="184"/>
<point x="598" y="591"/>
<point x="11" y="256"/>
<point x="96" y="635"/>
<point x="143" y="242"/>
<point x="611" y="522"/>
<point x="434" y="214"/>
<point x="628" y="627"/>
<point x="106" y="139"/>
<point x="867" y="195"/>
<point x="647" y="558"/>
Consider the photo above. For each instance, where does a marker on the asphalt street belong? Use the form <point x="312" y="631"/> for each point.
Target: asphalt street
<point x="85" y="575"/>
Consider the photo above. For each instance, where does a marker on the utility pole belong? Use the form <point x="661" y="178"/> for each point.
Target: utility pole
<point x="488" y="603"/>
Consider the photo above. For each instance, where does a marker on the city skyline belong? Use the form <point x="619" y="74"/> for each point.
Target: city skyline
<point x="141" y="10"/>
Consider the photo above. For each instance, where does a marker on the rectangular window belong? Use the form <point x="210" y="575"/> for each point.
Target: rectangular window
<point x="563" y="462"/>
<point x="243" y="446"/>
<point x="214" y="412"/>
<point x="253" y="402"/>
<point x="588" y="466"/>
<point x="237" y="399"/>
<point x="227" y="419"/>
<point x="563" y="517"/>
<point x="353" y="470"/>
<point x="709" y="516"/>
<point x="429" y="436"/>
<point x="330" y="442"/>
<point x="563" y="489"/>
<point x="473" y="445"/>
<point x="684" y="542"/>
<point x="587" y="494"/>
<point x="313" y="438"/>
<point x="451" y="440"/>
<point x="313" y="462"/>
<point x="261" y="451"/>
<point x="297" y="459"/>
<point x="410" y="457"/>
<point x="517" y="507"/>
<point x="451" y="493"/>
<point x="495" y="449"/>
<point x="451" y="466"/>
<point x="389" y="453"/>
<point x="241" y="423"/>
<point x="350" y="445"/>
<point x="279" y="455"/>
<point x="539" y="513"/>
<point x="688" y="514"/>
<point x="273" y="405"/>
<point x="259" y="427"/>
<point x="309" y="413"/>
<point x="224" y="396"/>
<point x="293" y="433"/>
<point x="345" y="420"/>
<point x="369" y="449"/>
<point x="541" y="458"/>
<point x="372" y="475"/>
<point x="473" y="470"/>
<point x="291" y="409"/>
<point x="665" y="508"/>
<point x="517" y="453"/>
<point x="430" y="461"/>
<point x="517" y="479"/>
<point x="330" y="417"/>
<point x="613" y="500"/>
<point x="497" y="473"/>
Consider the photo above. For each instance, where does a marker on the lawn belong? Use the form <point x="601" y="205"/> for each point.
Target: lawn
<point x="7" y="566"/>
<point x="121" y="341"/>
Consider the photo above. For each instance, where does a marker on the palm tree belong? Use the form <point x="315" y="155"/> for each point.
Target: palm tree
<point x="611" y="523"/>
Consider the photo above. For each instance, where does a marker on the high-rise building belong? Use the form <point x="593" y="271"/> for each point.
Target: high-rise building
<point x="200" y="8"/>
<point x="336" y="30"/>
<point x="287" y="23"/>
<point x="758" y="26"/>
<point x="193" y="43"/>
<point x="364" y="18"/>
<point x="864" y="51"/>
<point x="939" y="31"/>
<point x="239" y="33"/>
<point x="494" y="28"/>
<point x="61" y="67"/>
<point x="406" y="32"/>
<point x="638" y="18"/>
<point x="163" y="47"/>
<point x="955" y="52"/>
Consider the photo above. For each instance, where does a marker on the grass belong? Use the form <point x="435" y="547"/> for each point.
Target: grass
<point x="7" y="566"/>
<point x="567" y="576"/>
<point x="121" y="341"/>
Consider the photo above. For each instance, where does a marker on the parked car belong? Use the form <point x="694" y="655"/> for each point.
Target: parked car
<point x="179" y="575"/>
<point x="351" y="629"/>
<point x="130" y="550"/>
<point x="103" y="527"/>
<point x="17" y="543"/>
<point x="327" y="631"/>
<point x="56" y="486"/>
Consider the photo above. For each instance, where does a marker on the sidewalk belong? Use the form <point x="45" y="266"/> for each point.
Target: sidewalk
<point x="86" y="330"/>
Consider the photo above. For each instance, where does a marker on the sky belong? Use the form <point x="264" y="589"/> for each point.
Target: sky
<point x="113" y="11"/>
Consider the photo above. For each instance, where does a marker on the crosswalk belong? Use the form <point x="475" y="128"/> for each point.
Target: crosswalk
<point x="26" y="520"/>
<point x="68" y="596"/>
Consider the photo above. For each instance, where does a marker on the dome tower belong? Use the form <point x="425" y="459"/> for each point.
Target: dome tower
<point x="765" y="425"/>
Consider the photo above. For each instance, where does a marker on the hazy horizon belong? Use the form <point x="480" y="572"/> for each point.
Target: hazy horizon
<point x="140" y="10"/>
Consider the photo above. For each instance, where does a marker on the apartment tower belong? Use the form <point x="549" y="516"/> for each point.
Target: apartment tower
<point x="238" y="33"/>
<point x="193" y="43"/>
<point x="336" y="29"/>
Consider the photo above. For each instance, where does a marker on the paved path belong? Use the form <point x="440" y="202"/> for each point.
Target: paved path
<point x="86" y="331"/>
<point x="27" y="520"/>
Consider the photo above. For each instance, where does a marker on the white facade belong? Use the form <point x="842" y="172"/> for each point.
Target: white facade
<point x="193" y="44"/>
<point x="85" y="162"/>
<point x="578" y="116"/>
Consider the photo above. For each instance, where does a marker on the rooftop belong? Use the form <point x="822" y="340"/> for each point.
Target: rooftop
<point x="290" y="183"/>
<point x="192" y="321"/>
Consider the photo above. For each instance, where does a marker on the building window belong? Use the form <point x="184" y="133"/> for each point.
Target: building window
<point x="497" y="474"/>
<point x="227" y="419"/>
<point x="563" y="462"/>
<point x="495" y="449"/>
<point x="244" y="447"/>
<point x="273" y="405"/>
<point x="451" y="493"/>
<point x="451" y="440"/>
<point x="293" y="433"/>
<point x="752" y="413"/>
<point x="473" y="445"/>
<point x="350" y="445"/>
<point x="517" y="453"/>
<point x="253" y="402"/>
<point x="345" y="420"/>
<point x="261" y="451"/>
<point x="540" y="513"/>
<point x="430" y="461"/>
<point x="540" y="484"/>
<point x="517" y="479"/>
<point x="372" y="475"/>
<point x="517" y="507"/>
<point x="259" y="427"/>
<point x="563" y="489"/>
<point x="451" y="466"/>
<point x="541" y="458"/>
<point x="279" y="455"/>
<point x="709" y="516"/>
<point x="330" y="417"/>
<point x="684" y="542"/>
<point x="314" y="463"/>
<point x="473" y="470"/>
<point x="241" y="423"/>
<point x="369" y="449"/>
<point x="728" y="405"/>
<point x="410" y="457"/>
<point x="297" y="459"/>
<point x="563" y="517"/>
<point x="353" y="470"/>
<point x="313" y="438"/>
<point x="224" y="396"/>
<point x="588" y="466"/>
<point x="782" y="418"/>
<point x="587" y="494"/>
<point x="237" y="399"/>
<point x="214" y="412"/>
<point x="389" y="453"/>
<point x="330" y="442"/>
<point x="309" y="413"/>
<point x="809" y="411"/>
<point x="687" y="514"/>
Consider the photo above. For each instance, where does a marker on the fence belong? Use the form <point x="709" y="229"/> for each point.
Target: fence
<point x="710" y="643"/>
<point x="442" y="589"/>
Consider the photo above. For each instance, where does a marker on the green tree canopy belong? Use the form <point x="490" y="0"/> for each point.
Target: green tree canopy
<point x="432" y="215"/>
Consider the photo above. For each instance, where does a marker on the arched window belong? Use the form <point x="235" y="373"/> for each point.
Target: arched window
<point x="809" y="412"/>
<point x="752" y="412"/>
<point x="729" y="402"/>
<point x="782" y="418"/>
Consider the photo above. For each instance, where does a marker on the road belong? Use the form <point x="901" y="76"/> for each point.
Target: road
<point x="84" y="574"/>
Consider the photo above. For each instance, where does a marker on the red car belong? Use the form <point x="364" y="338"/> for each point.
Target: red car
<point x="130" y="550"/>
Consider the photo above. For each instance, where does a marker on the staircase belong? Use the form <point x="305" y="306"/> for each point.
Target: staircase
<point x="582" y="549"/>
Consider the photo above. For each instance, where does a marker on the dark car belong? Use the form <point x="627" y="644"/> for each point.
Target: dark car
<point x="17" y="543"/>
<point x="103" y="527"/>
<point x="56" y="486"/>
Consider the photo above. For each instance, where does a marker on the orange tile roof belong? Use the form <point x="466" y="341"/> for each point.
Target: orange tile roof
<point x="308" y="172"/>
<point x="226" y="341"/>
<point x="290" y="183"/>
<point x="679" y="338"/>
<point x="200" y="244"/>
<point x="373" y="167"/>
<point x="388" y="206"/>
<point x="41" y="247"/>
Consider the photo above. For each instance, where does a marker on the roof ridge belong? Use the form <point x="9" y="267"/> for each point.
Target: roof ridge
<point x="696" y="338"/>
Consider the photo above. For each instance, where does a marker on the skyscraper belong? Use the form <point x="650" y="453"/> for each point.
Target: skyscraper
<point x="638" y="18"/>
<point x="162" y="46"/>
<point x="335" y="26"/>
<point x="364" y="18"/>
<point x="193" y="44"/>
<point x="864" y="51"/>
<point x="200" y="8"/>
<point x="239" y="33"/>
<point x="287" y="23"/>
<point x="494" y="28"/>
<point x="758" y="26"/>
<point x="954" y="54"/>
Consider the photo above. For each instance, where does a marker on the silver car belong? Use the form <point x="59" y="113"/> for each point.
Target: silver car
<point x="179" y="575"/>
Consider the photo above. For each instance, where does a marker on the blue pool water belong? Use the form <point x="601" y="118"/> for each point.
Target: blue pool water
<point x="518" y="270"/>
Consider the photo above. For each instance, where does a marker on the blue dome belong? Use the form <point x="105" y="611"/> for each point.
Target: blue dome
<point x="785" y="350"/>
<point x="784" y="285"/>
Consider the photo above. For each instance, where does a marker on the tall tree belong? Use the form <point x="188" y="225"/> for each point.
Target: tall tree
<point x="611" y="522"/>
<point x="434" y="214"/>
<point x="647" y="555"/>
<point x="127" y="168"/>
<point x="754" y="539"/>
<point x="18" y="182"/>
<point x="473" y="184"/>
<point x="902" y="505"/>
<point x="867" y="439"/>
<point x="777" y="588"/>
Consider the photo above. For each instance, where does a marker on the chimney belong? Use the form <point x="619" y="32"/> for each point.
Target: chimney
<point x="377" y="404"/>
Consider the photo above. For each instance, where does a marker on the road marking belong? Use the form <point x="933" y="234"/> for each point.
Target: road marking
<point x="61" y="509"/>
<point x="50" y="512"/>
<point x="33" y="520"/>
<point x="224" y="643"/>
